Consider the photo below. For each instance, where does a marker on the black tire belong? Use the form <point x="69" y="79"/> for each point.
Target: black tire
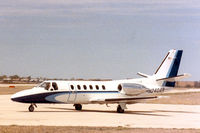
<point x="31" y="108"/>
<point x="78" y="106"/>
<point x="119" y="109"/>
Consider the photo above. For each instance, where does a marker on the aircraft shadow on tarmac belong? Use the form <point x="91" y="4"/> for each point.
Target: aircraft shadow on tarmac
<point x="173" y="111"/>
<point x="151" y="113"/>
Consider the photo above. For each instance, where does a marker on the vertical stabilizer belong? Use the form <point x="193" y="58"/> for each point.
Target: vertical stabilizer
<point x="169" y="66"/>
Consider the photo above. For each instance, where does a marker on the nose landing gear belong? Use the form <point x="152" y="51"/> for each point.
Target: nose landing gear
<point x="31" y="107"/>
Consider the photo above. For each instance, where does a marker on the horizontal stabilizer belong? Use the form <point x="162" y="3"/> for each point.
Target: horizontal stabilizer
<point x="143" y="75"/>
<point x="175" y="78"/>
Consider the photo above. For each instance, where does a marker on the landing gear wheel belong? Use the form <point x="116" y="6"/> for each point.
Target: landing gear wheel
<point x="119" y="109"/>
<point x="78" y="106"/>
<point x="31" y="108"/>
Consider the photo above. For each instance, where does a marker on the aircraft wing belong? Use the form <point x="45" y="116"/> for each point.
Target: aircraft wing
<point x="176" y="78"/>
<point x="125" y="100"/>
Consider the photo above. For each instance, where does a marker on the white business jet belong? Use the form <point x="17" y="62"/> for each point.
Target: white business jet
<point x="121" y="92"/>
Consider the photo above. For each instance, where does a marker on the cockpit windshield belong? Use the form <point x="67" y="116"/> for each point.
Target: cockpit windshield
<point x="45" y="85"/>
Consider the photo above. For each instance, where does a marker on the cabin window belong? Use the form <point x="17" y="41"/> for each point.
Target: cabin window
<point x="55" y="87"/>
<point x="79" y="87"/>
<point x="103" y="87"/>
<point x="97" y="87"/>
<point x="85" y="87"/>
<point x="90" y="87"/>
<point x="119" y="87"/>
<point x="72" y="87"/>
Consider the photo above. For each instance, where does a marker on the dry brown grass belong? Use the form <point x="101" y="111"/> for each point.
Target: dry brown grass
<point x="54" y="129"/>
<point x="7" y="90"/>
<point x="189" y="98"/>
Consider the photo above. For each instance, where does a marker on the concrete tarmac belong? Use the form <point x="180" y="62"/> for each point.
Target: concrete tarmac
<point x="136" y="116"/>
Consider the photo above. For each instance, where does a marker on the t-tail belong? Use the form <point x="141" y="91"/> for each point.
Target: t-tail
<point x="167" y="73"/>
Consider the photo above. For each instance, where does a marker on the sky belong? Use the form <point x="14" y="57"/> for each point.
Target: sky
<point x="108" y="39"/>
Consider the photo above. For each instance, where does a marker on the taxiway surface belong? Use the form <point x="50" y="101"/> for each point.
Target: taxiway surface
<point x="137" y="115"/>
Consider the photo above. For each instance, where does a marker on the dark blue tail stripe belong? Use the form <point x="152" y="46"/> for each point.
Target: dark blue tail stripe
<point x="174" y="68"/>
<point x="176" y="64"/>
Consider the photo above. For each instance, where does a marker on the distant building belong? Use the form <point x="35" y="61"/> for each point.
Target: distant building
<point x="34" y="80"/>
<point x="25" y="79"/>
<point x="7" y="80"/>
<point x="15" y="79"/>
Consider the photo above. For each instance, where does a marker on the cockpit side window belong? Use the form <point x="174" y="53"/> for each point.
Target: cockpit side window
<point x="45" y="85"/>
<point x="55" y="87"/>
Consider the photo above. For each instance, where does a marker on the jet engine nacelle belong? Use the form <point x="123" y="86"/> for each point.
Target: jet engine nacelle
<point x="131" y="88"/>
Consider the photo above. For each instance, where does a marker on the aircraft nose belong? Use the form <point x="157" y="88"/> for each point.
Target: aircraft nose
<point x="15" y="98"/>
<point x="23" y="96"/>
<point x="18" y="97"/>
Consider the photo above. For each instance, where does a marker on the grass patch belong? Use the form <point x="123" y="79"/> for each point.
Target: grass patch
<point x="8" y="90"/>
<point x="62" y="129"/>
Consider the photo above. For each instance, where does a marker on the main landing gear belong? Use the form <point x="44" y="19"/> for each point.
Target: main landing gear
<point x="78" y="106"/>
<point x="121" y="107"/>
<point x="31" y="107"/>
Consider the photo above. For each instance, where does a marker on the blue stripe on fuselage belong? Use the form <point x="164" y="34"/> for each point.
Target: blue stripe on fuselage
<point x="40" y="98"/>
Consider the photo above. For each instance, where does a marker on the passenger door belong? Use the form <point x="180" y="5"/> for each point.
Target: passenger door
<point x="72" y="93"/>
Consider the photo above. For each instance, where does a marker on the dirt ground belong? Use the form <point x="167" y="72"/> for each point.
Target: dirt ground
<point x="54" y="129"/>
<point x="189" y="98"/>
